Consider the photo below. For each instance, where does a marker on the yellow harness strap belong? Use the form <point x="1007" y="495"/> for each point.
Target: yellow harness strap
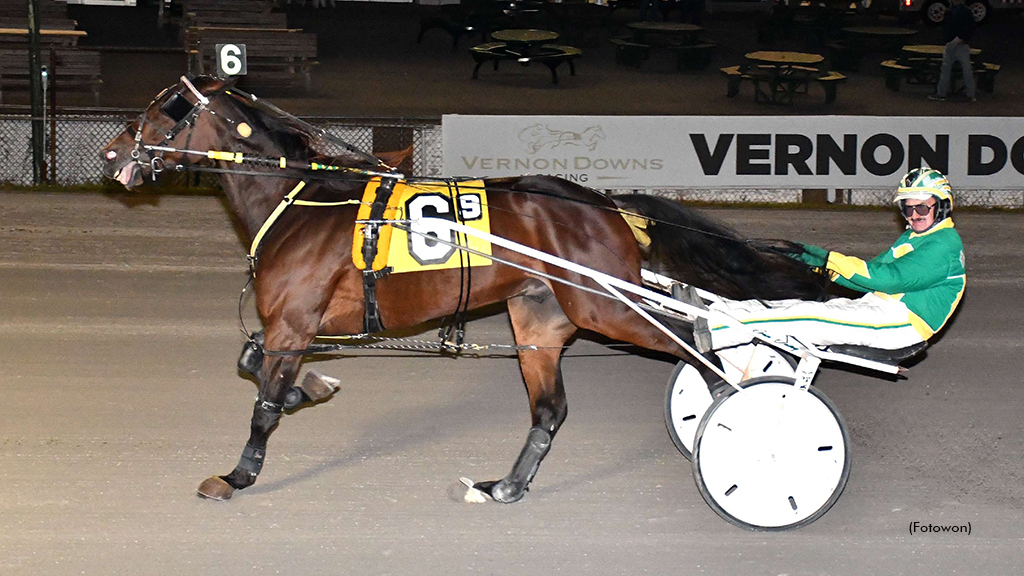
<point x="287" y="201"/>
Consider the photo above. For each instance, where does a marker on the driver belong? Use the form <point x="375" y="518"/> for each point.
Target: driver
<point x="911" y="289"/>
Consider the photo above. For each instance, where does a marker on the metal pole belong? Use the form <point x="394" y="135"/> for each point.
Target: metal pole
<point x="36" y="89"/>
<point x="52" y="103"/>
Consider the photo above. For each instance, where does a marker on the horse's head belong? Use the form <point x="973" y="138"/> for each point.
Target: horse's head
<point x="183" y="116"/>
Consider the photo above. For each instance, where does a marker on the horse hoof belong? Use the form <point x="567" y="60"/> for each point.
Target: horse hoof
<point x="319" y="386"/>
<point x="215" y="488"/>
<point x="502" y="491"/>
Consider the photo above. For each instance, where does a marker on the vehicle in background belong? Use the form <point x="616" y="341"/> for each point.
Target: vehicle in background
<point x="934" y="11"/>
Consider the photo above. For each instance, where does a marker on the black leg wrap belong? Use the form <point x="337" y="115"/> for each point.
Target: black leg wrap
<point x="252" y="460"/>
<point x="294" y="397"/>
<point x="251" y="359"/>
<point x="514" y="486"/>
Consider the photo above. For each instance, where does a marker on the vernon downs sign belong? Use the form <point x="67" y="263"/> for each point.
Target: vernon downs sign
<point x="737" y="151"/>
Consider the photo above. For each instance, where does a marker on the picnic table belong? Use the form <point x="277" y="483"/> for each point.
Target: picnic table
<point x="859" y="40"/>
<point x="880" y="32"/>
<point x="922" y="63"/>
<point x="580" y="22"/>
<point x="679" y="37"/>
<point x="778" y="75"/>
<point x="524" y="40"/>
<point x="815" y="21"/>
<point x="466" y="18"/>
<point x="665" y="32"/>
<point x="525" y="46"/>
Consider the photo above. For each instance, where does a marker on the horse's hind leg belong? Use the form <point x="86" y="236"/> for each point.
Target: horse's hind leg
<point x="537" y="320"/>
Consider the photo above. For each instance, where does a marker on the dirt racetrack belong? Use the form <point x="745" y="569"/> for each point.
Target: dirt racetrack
<point x="118" y="339"/>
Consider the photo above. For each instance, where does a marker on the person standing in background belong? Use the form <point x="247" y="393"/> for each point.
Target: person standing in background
<point x="957" y="31"/>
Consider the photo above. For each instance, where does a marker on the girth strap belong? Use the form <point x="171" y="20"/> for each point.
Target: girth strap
<point x="371" y="315"/>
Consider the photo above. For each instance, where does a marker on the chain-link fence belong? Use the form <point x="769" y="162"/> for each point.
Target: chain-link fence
<point x="73" y="159"/>
<point x="73" y="155"/>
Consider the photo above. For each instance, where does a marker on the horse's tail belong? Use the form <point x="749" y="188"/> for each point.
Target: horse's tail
<point x="695" y="249"/>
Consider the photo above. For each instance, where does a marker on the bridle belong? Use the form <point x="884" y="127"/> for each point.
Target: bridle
<point x="184" y="114"/>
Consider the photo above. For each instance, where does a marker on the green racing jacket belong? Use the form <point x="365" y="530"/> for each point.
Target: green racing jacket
<point x="924" y="271"/>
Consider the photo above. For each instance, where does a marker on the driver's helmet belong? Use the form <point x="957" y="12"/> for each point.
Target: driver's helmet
<point x="919" y="184"/>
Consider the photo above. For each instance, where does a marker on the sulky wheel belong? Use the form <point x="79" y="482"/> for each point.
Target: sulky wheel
<point x="686" y="399"/>
<point x="688" y="395"/>
<point x="771" y="456"/>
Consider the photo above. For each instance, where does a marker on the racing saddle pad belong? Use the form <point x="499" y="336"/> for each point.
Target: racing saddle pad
<point x="419" y="249"/>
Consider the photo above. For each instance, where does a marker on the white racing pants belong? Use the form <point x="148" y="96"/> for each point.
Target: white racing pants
<point x="870" y="320"/>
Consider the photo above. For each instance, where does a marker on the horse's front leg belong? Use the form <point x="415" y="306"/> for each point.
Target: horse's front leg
<point x="276" y="379"/>
<point x="537" y="320"/>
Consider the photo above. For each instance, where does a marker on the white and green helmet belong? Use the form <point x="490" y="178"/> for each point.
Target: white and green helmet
<point x="922" y="183"/>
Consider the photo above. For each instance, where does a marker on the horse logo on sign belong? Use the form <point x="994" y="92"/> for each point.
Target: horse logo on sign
<point x="538" y="137"/>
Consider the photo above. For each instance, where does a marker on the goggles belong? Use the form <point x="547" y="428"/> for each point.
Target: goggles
<point x="920" y="209"/>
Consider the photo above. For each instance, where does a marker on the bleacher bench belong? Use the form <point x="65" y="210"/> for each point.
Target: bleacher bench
<point x="275" y="56"/>
<point x="230" y="19"/>
<point x="77" y="70"/>
<point x="48" y="9"/>
<point x="242" y="6"/>
<point x="62" y="23"/>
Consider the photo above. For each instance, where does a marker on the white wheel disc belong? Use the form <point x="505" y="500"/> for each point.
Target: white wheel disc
<point x="688" y="396"/>
<point x="771" y="456"/>
<point x="686" y="401"/>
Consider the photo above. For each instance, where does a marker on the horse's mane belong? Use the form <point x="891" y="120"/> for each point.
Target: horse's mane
<point x="294" y="138"/>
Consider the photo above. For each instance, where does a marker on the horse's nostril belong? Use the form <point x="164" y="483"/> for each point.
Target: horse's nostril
<point x="111" y="155"/>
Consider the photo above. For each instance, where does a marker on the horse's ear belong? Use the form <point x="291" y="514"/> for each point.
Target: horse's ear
<point x="395" y="157"/>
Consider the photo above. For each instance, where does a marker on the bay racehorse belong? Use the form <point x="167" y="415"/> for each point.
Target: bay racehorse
<point x="307" y="285"/>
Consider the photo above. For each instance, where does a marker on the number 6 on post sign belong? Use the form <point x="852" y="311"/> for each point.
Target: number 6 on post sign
<point x="231" y="59"/>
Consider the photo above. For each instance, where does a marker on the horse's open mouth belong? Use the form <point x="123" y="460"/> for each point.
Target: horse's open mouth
<point x="130" y="175"/>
